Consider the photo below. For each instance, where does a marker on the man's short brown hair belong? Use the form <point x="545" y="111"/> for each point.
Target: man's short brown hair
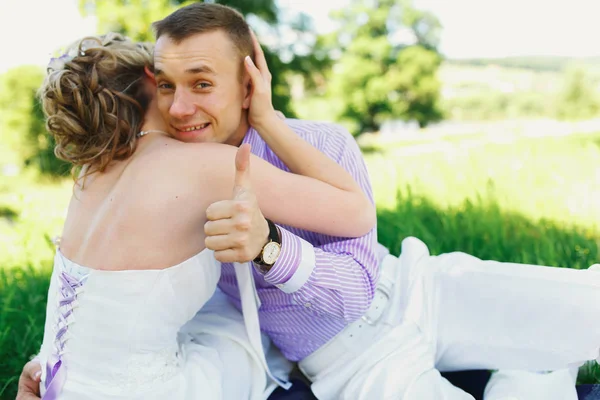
<point x="207" y="17"/>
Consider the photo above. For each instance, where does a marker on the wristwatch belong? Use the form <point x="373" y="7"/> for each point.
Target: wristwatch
<point x="270" y="251"/>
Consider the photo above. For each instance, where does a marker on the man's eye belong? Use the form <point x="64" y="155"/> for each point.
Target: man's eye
<point x="165" y="86"/>
<point x="203" y="85"/>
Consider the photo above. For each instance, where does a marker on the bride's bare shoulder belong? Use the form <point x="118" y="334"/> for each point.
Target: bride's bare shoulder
<point x="171" y="150"/>
<point x="173" y="163"/>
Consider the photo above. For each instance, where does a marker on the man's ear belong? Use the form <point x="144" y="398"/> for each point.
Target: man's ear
<point x="247" y="87"/>
<point x="149" y="74"/>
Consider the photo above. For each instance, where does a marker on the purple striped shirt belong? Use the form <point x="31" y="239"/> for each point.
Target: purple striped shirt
<point x="319" y="283"/>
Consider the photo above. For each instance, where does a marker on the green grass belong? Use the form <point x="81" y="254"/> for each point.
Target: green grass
<point x="552" y="178"/>
<point x="22" y="309"/>
<point x="485" y="230"/>
<point x="529" y="201"/>
<point x="32" y="212"/>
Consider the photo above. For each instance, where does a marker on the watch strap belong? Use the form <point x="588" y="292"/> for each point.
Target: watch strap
<point x="273" y="237"/>
<point x="273" y="232"/>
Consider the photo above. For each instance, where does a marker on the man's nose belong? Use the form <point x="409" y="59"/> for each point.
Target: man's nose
<point x="182" y="106"/>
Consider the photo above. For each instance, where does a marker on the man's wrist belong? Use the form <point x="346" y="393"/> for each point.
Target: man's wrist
<point x="294" y="265"/>
<point x="271" y="249"/>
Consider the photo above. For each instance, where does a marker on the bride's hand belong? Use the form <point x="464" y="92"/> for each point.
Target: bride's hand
<point x="29" y="381"/>
<point x="261" y="111"/>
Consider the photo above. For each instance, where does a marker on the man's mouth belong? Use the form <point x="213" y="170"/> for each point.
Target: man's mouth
<point x="194" y="128"/>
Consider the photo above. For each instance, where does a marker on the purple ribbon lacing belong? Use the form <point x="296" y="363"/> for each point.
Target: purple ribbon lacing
<point x="55" y="371"/>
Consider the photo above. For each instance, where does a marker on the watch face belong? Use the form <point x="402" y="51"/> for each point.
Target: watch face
<point x="271" y="252"/>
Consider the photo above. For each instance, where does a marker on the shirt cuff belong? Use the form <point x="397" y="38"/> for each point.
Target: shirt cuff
<point x="294" y="265"/>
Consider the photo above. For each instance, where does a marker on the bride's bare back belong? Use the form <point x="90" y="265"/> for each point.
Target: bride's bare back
<point x="139" y="214"/>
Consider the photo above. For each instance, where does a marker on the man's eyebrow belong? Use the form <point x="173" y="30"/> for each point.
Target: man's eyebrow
<point x="201" y="69"/>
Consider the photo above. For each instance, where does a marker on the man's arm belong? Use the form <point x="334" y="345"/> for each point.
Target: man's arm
<point x="337" y="279"/>
<point x="335" y="276"/>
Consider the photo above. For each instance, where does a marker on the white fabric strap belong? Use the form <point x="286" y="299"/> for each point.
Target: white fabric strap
<point x="250" y="303"/>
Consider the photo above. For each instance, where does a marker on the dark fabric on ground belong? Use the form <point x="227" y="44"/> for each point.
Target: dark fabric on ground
<point x="472" y="382"/>
<point x="588" y="392"/>
<point x="299" y="391"/>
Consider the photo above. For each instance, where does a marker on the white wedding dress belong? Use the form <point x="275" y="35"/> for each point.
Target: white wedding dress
<point x="137" y="334"/>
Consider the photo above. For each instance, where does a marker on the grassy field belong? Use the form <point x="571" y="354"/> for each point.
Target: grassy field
<point x="556" y="178"/>
<point x="531" y="200"/>
<point x="31" y="213"/>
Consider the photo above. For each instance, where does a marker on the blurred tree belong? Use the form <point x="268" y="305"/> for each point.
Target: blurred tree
<point x="578" y="99"/>
<point x="22" y="120"/>
<point x="134" y="19"/>
<point x="386" y="65"/>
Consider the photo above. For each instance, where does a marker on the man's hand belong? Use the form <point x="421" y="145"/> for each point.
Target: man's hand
<point x="261" y="110"/>
<point x="236" y="229"/>
<point x="29" y="381"/>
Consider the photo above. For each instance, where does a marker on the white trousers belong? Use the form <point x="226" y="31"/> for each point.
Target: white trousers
<point x="221" y="327"/>
<point x="457" y="312"/>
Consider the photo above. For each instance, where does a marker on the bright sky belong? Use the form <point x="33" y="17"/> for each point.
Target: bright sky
<point x="30" y="30"/>
<point x="496" y="28"/>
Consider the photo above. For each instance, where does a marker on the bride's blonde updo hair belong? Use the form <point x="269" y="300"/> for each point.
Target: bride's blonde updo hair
<point x="95" y="98"/>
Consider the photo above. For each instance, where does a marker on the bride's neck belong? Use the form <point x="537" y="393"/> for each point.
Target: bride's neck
<point x="153" y="120"/>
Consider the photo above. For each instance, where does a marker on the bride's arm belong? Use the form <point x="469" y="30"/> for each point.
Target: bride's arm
<point x="296" y="153"/>
<point x="286" y="198"/>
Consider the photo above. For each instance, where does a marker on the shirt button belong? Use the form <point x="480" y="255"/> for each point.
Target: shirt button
<point x="307" y="305"/>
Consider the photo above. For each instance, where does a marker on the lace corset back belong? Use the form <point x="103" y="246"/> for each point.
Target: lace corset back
<point x="116" y="331"/>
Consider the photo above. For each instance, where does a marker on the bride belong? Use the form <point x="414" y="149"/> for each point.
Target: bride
<point x="132" y="268"/>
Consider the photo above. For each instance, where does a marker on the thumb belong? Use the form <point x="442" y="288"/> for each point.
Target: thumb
<point x="242" y="170"/>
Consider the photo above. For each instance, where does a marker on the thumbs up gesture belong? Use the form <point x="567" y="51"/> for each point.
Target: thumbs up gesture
<point x="242" y="182"/>
<point x="236" y="229"/>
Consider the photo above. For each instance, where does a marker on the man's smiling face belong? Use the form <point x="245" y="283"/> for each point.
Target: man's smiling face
<point x="203" y="91"/>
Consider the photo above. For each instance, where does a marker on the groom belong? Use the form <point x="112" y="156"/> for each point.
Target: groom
<point x="360" y="322"/>
<point x="322" y="297"/>
<point x="336" y="304"/>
